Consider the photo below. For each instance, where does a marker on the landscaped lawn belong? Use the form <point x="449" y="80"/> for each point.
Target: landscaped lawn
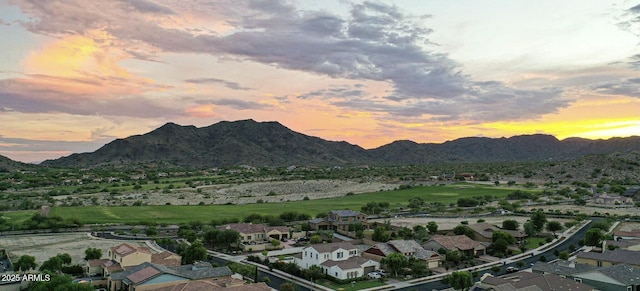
<point x="205" y="213"/>
<point x="534" y="242"/>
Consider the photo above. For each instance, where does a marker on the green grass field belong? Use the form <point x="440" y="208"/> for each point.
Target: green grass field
<point x="17" y="217"/>
<point x="206" y="213"/>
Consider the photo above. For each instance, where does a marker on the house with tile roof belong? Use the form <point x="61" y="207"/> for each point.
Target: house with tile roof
<point x="561" y="268"/>
<point x="484" y="232"/>
<point x="614" y="278"/>
<point x="460" y="243"/>
<point x="617" y="277"/>
<point x="526" y="281"/>
<point x="633" y="234"/>
<point x="625" y="244"/>
<point x="409" y="248"/>
<point x="258" y="232"/>
<point x="609" y="258"/>
<point x="341" y="260"/>
<point x="126" y="255"/>
<point x="150" y="276"/>
<point x="339" y="220"/>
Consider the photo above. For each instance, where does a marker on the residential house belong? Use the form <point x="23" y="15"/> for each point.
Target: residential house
<point x="339" y="220"/>
<point x="633" y="234"/>
<point x="526" y="281"/>
<point x="123" y="256"/>
<point x="484" y="232"/>
<point x="340" y="260"/>
<point x="258" y="232"/>
<point x="409" y="248"/>
<point x="614" y="278"/>
<point x="617" y="277"/>
<point x="150" y="276"/>
<point x="625" y="244"/>
<point x="609" y="258"/>
<point x="460" y="243"/>
<point x="611" y="199"/>
<point x="561" y="268"/>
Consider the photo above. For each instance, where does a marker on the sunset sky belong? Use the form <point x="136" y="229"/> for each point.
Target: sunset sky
<point x="76" y="74"/>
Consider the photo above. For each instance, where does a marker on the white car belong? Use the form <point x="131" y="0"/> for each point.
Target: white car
<point x="374" y="275"/>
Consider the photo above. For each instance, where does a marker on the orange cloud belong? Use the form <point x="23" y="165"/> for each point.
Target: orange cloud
<point x="202" y="111"/>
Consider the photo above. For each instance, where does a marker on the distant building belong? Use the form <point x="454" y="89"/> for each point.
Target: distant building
<point x="612" y="199"/>
<point x="339" y="220"/>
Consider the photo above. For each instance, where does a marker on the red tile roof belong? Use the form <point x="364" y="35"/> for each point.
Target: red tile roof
<point x="143" y="274"/>
<point x="461" y="242"/>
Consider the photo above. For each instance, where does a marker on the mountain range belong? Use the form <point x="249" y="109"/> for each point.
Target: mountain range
<point x="248" y="142"/>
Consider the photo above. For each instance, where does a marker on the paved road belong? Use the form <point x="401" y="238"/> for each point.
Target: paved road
<point x="548" y="254"/>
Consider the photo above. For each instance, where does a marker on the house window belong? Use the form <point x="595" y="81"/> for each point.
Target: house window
<point x="353" y="253"/>
<point x="579" y="280"/>
<point x="629" y="288"/>
<point x="316" y="256"/>
<point x="599" y="263"/>
<point x="339" y="255"/>
<point x="248" y="237"/>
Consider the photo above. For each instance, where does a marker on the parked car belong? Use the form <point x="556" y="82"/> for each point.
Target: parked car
<point x="374" y="275"/>
<point x="382" y="273"/>
<point x="512" y="269"/>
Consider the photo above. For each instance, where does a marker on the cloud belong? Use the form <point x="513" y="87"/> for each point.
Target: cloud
<point x="150" y="7"/>
<point x="240" y="104"/>
<point x="340" y="92"/>
<point x="375" y="41"/>
<point x="230" y="85"/>
<point x="628" y="87"/>
<point x="82" y="96"/>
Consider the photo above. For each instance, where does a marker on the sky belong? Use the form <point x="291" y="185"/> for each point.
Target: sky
<point x="77" y="74"/>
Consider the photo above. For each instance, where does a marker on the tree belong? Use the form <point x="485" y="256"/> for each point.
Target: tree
<point x="554" y="226"/>
<point x="453" y="256"/>
<point x="275" y="243"/>
<point x="287" y="287"/>
<point x="529" y="229"/>
<point x="418" y="268"/>
<point x="503" y="235"/>
<point x="59" y="282"/>
<point x="315" y="239"/>
<point x="538" y="219"/>
<point x="463" y="230"/>
<point x="593" y="237"/>
<point x="25" y="263"/>
<point x="564" y="255"/>
<point x="53" y="265"/>
<point x="510" y="224"/>
<point x="500" y="247"/>
<point x="461" y="280"/>
<point x="65" y="258"/>
<point x="432" y="226"/>
<point x="379" y="234"/>
<point x="195" y="252"/>
<point x="314" y="273"/>
<point x="92" y="254"/>
<point x="395" y="262"/>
